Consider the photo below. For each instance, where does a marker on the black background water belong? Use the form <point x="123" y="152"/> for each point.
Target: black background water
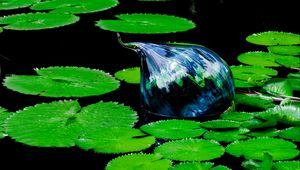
<point x="222" y="26"/>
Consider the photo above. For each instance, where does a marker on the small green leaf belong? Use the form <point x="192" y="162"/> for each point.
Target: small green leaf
<point x="131" y="75"/>
<point x="254" y="100"/>
<point x="290" y="62"/>
<point x="285" y="50"/>
<point x="237" y="116"/>
<point x="265" y="133"/>
<point x="286" y="165"/>
<point x="251" y="164"/>
<point x="146" y="24"/>
<point x="260" y="58"/>
<point x="259" y="123"/>
<point x="267" y="162"/>
<point x="274" y="38"/>
<point x="63" y="82"/>
<point x="114" y="140"/>
<point x="252" y="73"/>
<point x="14" y="4"/>
<point x="294" y="80"/>
<point x="226" y="136"/>
<point x="279" y="87"/>
<point x="3" y="116"/>
<point x="174" y="129"/>
<point x="292" y="133"/>
<point x="279" y="149"/>
<point x="75" y="6"/>
<point x="37" y="21"/>
<point x="220" y="124"/>
<point x="193" y="166"/>
<point x="244" y="84"/>
<point x="190" y="150"/>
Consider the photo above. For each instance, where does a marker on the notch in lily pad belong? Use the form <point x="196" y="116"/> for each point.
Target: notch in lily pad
<point x="270" y="38"/>
<point x="37" y="21"/>
<point x="63" y="82"/>
<point x="15" y="4"/>
<point x="146" y="24"/>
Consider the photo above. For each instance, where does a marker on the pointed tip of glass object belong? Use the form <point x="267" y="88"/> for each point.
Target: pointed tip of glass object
<point x="183" y="81"/>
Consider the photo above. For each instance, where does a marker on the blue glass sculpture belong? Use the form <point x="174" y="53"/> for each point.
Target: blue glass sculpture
<point x="182" y="80"/>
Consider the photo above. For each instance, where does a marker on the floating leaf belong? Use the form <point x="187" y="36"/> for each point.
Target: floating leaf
<point x="75" y="6"/>
<point x="290" y="62"/>
<point x="279" y="149"/>
<point x="288" y="114"/>
<point x="193" y="166"/>
<point x="292" y="133"/>
<point x="274" y="38"/>
<point x="237" y="116"/>
<point x="220" y="124"/>
<point x="45" y="125"/>
<point x="251" y="164"/>
<point x="294" y="80"/>
<point x="259" y="123"/>
<point x="190" y="150"/>
<point x="244" y="84"/>
<point x="226" y="136"/>
<point x="265" y="133"/>
<point x="63" y="82"/>
<point x="37" y="21"/>
<point x="131" y="75"/>
<point x="114" y="140"/>
<point x="252" y="73"/>
<point x="146" y="24"/>
<point x="139" y="162"/>
<point x="286" y="165"/>
<point x="14" y="4"/>
<point x="285" y="50"/>
<point x="259" y="58"/>
<point x="3" y="116"/>
<point x="279" y="87"/>
<point x="254" y="100"/>
<point x="174" y="129"/>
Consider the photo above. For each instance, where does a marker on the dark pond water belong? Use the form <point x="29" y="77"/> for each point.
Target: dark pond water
<point x="222" y="27"/>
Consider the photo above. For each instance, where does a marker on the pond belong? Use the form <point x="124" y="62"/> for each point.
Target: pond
<point x="221" y="25"/>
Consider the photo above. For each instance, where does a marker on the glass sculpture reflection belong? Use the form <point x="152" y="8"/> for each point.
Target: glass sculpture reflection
<point x="183" y="80"/>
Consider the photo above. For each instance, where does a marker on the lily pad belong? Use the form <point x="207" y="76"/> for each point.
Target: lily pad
<point x="274" y="38"/>
<point x="146" y="24"/>
<point x="173" y="129"/>
<point x="259" y="58"/>
<point x="244" y="84"/>
<point x="37" y="21"/>
<point x="285" y="50"/>
<point x="114" y="140"/>
<point x="139" y="162"/>
<point x="294" y="80"/>
<point x="279" y="87"/>
<point x="75" y="6"/>
<point x="193" y="166"/>
<point x="190" y="150"/>
<point x="14" y="4"/>
<point x="290" y="62"/>
<point x="131" y="75"/>
<point x="254" y="100"/>
<point x="63" y="82"/>
<point x="265" y="133"/>
<point x="3" y="116"/>
<point x="279" y="149"/>
<point x="220" y="124"/>
<point x="227" y="136"/>
<point x="259" y="123"/>
<point x="252" y="73"/>
<point x="292" y="133"/>
<point x="286" y="165"/>
<point x="237" y="116"/>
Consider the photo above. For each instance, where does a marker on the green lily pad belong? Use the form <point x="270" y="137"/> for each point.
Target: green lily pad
<point x="265" y="133"/>
<point x="146" y="24"/>
<point x="285" y="50"/>
<point x="279" y="87"/>
<point x="226" y="136"/>
<point x="252" y="73"/>
<point x="290" y="62"/>
<point x="259" y="58"/>
<point x="274" y="38"/>
<point x="259" y="123"/>
<point x="193" y="166"/>
<point x="114" y="140"/>
<point x="245" y="84"/>
<point x="220" y="124"/>
<point x="75" y="6"/>
<point x="254" y="100"/>
<point x="279" y="149"/>
<point x="63" y="82"/>
<point x="37" y="21"/>
<point x="190" y="150"/>
<point x="173" y="129"/>
<point x="14" y="4"/>
<point x="139" y="162"/>
<point x="292" y="133"/>
<point x="286" y="165"/>
<point x="3" y="116"/>
<point x="131" y="75"/>
<point x="237" y="116"/>
<point x="294" y="80"/>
